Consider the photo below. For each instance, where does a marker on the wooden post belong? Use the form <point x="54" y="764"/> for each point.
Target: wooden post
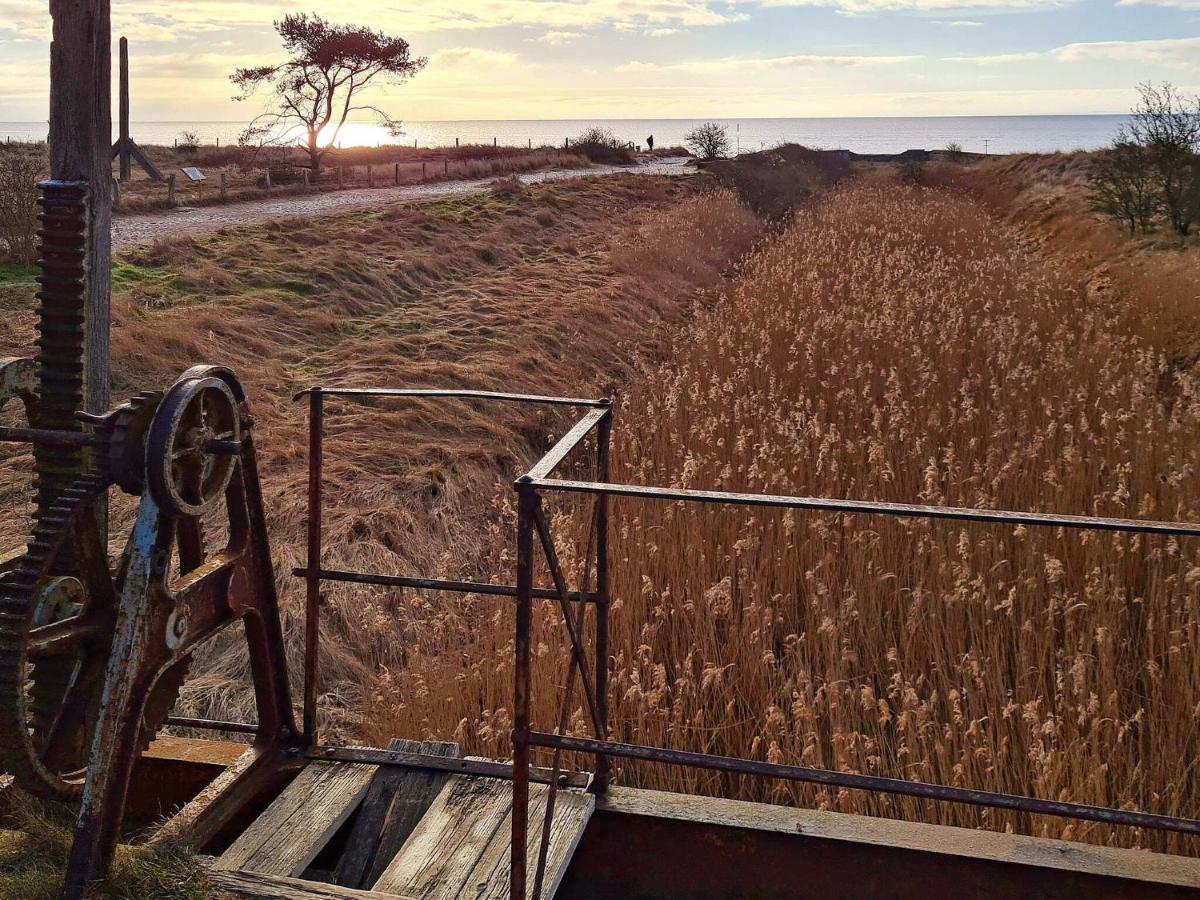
<point x="304" y="172"/>
<point x="267" y="177"/>
<point x="171" y="189"/>
<point x="423" y="175"/>
<point x="218" y="142"/>
<point x="495" y="142"/>
<point x="80" y="139"/>
<point x="397" y="173"/>
<point x="566" y="142"/>
<point x="446" y="163"/>
<point x="224" y="186"/>
<point x="531" y="143"/>
<point x="123" y="153"/>
<point x="370" y="176"/>
<point x="456" y="142"/>
<point x="116" y="194"/>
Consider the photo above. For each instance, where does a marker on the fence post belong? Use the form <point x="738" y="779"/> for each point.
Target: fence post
<point x="171" y="190"/>
<point x="370" y="176"/>
<point x="495" y="142"/>
<point x="566" y="143"/>
<point x="305" y="176"/>
<point x="527" y="501"/>
<point x="603" y="441"/>
<point x="312" y="600"/>
<point x="116" y="194"/>
<point x="446" y="163"/>
<point x="423" y="165"/>
<point x="397" y="173"/>
<point x="267" y="177"/>
<point x="456" y="142"/>
<point x="224" y="186"/>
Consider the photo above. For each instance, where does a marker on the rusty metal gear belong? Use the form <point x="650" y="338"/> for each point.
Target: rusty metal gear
<point x="58" y="607"/>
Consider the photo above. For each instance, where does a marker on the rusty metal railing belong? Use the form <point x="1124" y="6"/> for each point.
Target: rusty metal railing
<point x="533" y="533"/>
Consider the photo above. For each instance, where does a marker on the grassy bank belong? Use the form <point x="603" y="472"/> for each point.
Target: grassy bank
<point x="514" y="289"/>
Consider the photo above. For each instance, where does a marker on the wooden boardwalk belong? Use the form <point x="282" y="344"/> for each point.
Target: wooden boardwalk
<point x="401" y="832"/>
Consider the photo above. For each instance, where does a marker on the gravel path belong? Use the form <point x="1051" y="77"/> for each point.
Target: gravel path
<point x="140" y="228"/>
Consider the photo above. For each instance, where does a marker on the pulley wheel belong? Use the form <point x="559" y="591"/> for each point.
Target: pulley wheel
<point x="193" y="445"/>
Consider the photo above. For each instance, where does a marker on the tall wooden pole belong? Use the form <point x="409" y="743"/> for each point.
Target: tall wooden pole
<point x="126" y="169"/>
<point x="80" y="150"/>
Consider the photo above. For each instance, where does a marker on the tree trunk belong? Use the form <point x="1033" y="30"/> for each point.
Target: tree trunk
<point x="314" y="156"/>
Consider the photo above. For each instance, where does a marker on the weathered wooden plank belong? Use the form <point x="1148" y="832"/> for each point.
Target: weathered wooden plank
<point x="572" y="811"/>
<point x="437" y="859"/>
<point x="256" y="886"/>
<point x="395" y="802"/>
<point x="297" y="825"/>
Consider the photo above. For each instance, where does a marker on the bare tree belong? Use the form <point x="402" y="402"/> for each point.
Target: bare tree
<point x="1167" y="125"/>
<point x="708" y="141"/>
<point x="316" y="90"/>
<point x="1123" y="184"/>
<point x="20" y="172"/>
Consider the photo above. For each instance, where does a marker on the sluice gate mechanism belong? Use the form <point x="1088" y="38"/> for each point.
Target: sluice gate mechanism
<point x="96" y="645"/>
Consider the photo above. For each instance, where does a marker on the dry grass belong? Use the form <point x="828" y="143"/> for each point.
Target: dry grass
<point x="389" y="166"/>
<point x="1155" y="278"/>
<point x="492" y="291"/>
<point x="894" y="344"/>
<point x="33" y="858"/>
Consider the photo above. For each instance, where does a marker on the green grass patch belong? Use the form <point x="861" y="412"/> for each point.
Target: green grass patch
<point x="17" y="273"/>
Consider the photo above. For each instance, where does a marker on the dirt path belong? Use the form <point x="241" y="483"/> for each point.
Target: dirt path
<point x="141" y="228"/>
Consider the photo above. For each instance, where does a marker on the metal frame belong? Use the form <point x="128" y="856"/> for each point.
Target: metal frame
<point x="533" y="531"/>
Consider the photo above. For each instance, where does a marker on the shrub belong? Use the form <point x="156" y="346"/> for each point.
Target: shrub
<point x="1123" y="186"/>
<point x="708" y="141"/>
<point x="19" y="174"/>
<point x="600" y="145"/>
<point x="1166" y="124"/>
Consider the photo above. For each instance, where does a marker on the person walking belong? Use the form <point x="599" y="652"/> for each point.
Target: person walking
<point x="650" y="143"/>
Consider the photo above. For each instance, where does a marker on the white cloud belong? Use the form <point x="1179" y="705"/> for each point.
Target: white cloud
<point x="760" y="64"/>
<point x="428" y="15"/>
<point x="558" y="38"/>
<point x="1183" y="53"/>
<point x="1174" y="4"/>
<point x="932" y="7"/>
<point x="662" y="32"/>
<point x="958" y="23"/>
<point x="472" y="57"/>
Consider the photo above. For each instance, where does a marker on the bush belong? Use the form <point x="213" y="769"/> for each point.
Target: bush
<point x="708" y="141"/>
<point x="20" y="172"/>
<point x="1123" y="186"/>
<point x="600" y="145"/>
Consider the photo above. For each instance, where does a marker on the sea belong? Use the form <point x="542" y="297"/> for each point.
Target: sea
<point x="977" y="134"/>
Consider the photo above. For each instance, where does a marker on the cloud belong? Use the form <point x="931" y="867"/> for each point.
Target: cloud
<point x="1181" y="53"/>
<point x="558" y="38"/>
<point x="1173" y="4"/>
<point x="931" y="7"/>
<point x="472" y="57"/>
<point x="662" y="32"/>
<point x="760" y="64"/>
<point x="958" y="23"/>
<point x="566" y="15"/>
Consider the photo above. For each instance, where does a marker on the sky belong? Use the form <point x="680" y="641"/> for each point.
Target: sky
<point x="578" y="59"/>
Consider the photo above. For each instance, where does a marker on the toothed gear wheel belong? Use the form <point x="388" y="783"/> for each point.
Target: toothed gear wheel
<point x="58" y="609"/>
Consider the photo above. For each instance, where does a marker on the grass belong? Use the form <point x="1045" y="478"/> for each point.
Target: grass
<point x="17" y="274"/>
<point x="894" y="343"/>
<point x="502" y="290"/>
<point x="33" y="858"/>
